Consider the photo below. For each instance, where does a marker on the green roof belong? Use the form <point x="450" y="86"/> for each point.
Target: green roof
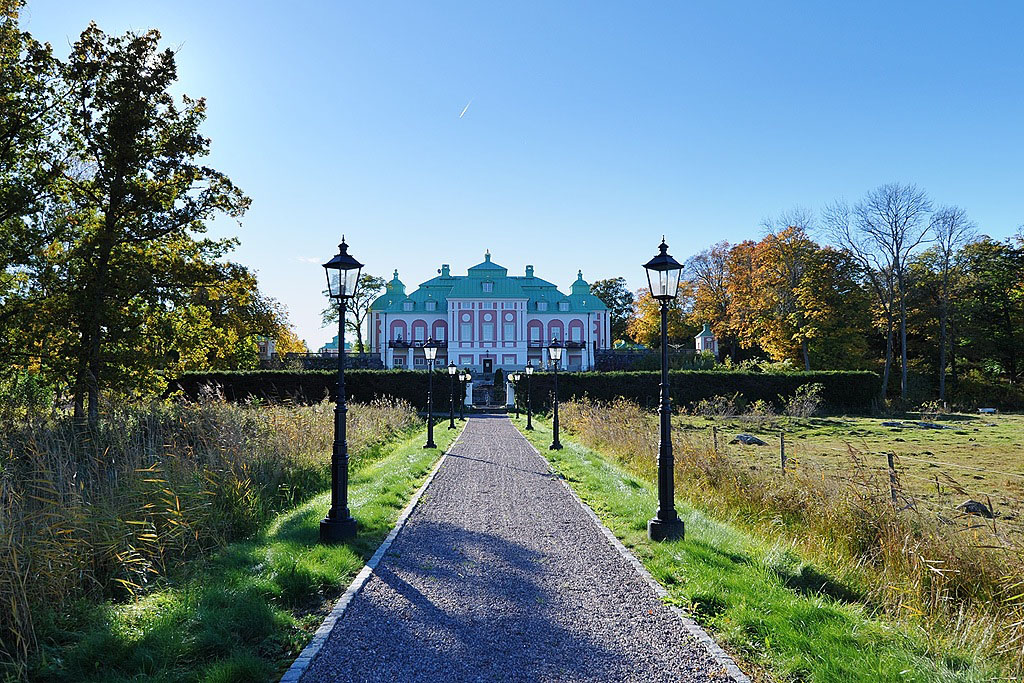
<point x="501" y="285"/>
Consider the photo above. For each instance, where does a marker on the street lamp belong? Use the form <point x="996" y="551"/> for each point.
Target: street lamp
<point x="515" y="388"/>
<point x="462" y="403"/>
<point x="451" y="383"/>
<point x="529" y="408"/>
<point x="430" y="353"/>
<point x="663" y="273"/>
<point x="342" y="280"/>
<point x="555" y="354"/>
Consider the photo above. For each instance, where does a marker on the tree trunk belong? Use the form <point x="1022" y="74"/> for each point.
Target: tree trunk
<point x="952" y="355"/>
<point x="903" y="342"/>
<point x="92" y="328"/>
<point x="888" y="359"/>
<point x="942" y="351"/>
<point x="807" y="358"/>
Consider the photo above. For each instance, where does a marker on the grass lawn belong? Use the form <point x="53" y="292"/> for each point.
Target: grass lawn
<point x="976" y="456"/>
<point x="245" y="613"/>
<point x="781" y="617"/>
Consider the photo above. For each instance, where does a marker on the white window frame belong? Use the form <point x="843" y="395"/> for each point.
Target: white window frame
<point x="563" y="305"/>
<point x="463" y="329"/>
<point x="542" y="305"/>
<point x="536" y="333"/>
<point x="575" y="334"/>
<point x="488" y="287"/>
<point x="408" y="305"/>
<point x="431" y="306"/>
<point x="440" y="334"/>
<point x="487" y="332"/>
<point x="509" y="331"/>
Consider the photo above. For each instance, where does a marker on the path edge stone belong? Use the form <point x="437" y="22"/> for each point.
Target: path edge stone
<point x="312" y="649"/>
<point x="720" y="656"/>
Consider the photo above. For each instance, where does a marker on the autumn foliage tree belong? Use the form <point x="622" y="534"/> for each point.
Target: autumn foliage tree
<point x="645" y="325"/>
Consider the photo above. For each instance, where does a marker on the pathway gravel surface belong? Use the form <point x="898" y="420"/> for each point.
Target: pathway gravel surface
<point x="500" y="575"/>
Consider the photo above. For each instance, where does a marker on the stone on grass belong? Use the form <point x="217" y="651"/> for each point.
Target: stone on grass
<point x="892" y="424"/>
<point x="748" y="440"/>
<point x="931" y="425"/>
<point x="973" y="507"/>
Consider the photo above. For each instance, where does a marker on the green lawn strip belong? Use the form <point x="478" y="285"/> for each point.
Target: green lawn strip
<point x="245" y="613"/>
<point x="780" y="616"/>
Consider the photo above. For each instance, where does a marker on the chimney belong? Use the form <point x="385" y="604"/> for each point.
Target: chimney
<point x="446" y="271"/>
<point x="529" y="271"/>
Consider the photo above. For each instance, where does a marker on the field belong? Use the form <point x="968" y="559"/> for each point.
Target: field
<point x="784" y="618"/>
<point x="892" y="540"/>
<point x="978" y="457"/>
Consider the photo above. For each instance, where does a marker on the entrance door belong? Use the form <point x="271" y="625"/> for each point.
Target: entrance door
<point x="488" y="366"/>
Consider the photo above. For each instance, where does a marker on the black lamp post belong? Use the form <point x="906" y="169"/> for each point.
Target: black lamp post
<point x="342" y="280"/>
<point x="451" y="383"/>
<point x="555" y="354"/>
<point x="515" y="391"/>
<point x="529" y="408"/>
<point x="462" y="403"/>
<point x="663" y="273"/>
<point x="430" y="353"/>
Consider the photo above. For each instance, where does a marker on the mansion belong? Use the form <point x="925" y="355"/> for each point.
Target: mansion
<point x="487" y="319"/>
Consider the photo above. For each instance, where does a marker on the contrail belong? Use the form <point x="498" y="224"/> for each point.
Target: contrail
<point x="466" y="109"/>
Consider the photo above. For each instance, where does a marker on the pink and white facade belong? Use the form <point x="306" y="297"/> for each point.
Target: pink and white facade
<point x="487" y="320"/>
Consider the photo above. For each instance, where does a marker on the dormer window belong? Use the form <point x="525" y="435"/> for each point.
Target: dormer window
<point x="542" y="305"/>
<point x="563" y="305"/>
<point x="431" y="305"/>
<point x="407" y="305"/>
<point x="488" y="287"/>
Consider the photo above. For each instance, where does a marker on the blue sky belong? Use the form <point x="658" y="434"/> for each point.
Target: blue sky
<point x="593" y="127"/>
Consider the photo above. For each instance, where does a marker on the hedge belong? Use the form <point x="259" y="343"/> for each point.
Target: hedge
<point x="843" y="391"/>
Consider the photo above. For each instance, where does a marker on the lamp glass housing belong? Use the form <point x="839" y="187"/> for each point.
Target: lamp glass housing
<point x="462" y="377"/>
<point x="663" y="274"/>
<point x="529" y="368"/>
<point x="555" y="351"/>
<point x="430" y="349"/>
<point x="342" y="273"/>
<point x="469" y="376"/>
<point x="452" y="369"/>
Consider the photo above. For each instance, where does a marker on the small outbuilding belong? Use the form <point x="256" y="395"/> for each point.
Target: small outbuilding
<point x="706" y="340"/>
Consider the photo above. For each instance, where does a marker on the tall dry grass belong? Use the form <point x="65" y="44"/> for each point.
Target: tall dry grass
<point x="963" y="585"/>
<point x="110" y="512"/>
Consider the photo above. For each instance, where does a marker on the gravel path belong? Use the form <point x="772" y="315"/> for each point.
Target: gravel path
<point x="500" y="575"/>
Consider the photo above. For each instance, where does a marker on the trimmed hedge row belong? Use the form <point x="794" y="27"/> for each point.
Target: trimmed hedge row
<point x="843" y="391"/>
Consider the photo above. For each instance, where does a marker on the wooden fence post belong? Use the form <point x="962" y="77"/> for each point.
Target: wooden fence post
<point x="782" y="450"/>
<point x="892" y="478"/>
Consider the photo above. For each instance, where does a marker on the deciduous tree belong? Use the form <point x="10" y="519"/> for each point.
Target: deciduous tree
<point x="882" y="232"/>
<point x="140" y="196"/>
<point x="357" y="309"/>
<point x="952" y="230"/>
<point x="619" y="300"/>
<point x="645" y="325"/>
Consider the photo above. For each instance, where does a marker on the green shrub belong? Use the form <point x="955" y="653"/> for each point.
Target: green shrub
<point x="841" y="391"/>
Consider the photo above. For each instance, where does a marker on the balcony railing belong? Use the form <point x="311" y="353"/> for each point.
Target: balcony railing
<point x="404" y="344"/>
<point x="537" y="344"/>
